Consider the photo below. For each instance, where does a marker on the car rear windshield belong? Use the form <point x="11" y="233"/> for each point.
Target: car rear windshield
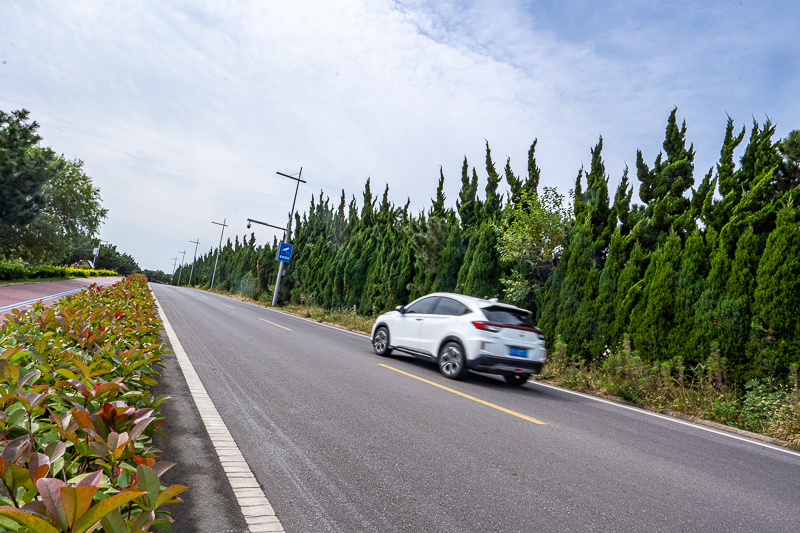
<point x="507" y="317"/>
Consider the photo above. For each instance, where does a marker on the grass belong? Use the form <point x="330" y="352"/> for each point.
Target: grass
<point x="703" y="391"/>
<point x="700" y="392"/>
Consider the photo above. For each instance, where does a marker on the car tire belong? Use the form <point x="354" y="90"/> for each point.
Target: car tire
<point x="452" y="361"/>
<point x="517" y="379"/>
<point x="380" y="342"/>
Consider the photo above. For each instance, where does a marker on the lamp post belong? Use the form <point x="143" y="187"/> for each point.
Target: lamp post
<point x="224" y="220"/>
<point x="180" y="272"/>
<point x="196" y="244"/>
<point x="97" y="253"/>
<point x="287" y="230"/>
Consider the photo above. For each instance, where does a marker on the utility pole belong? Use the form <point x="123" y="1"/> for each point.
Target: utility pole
<point x="287" y="230"/>
<point x="287" y="237"/>
<point x="180" y="272"/>
<point x="174" y="263"/>
<point x="196" y="244"/>
<point x="224" y="220"/>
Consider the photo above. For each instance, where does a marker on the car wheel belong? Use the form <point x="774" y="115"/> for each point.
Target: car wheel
<point x="380" y="342"/>
<point x="452" y="363"/>
<point x="517" y="379"/>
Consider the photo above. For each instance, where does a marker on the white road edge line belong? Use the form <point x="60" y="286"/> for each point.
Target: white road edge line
<point x="587" y="396"/>
<point x="671" y="419"/>
<point x="257" y="511"/>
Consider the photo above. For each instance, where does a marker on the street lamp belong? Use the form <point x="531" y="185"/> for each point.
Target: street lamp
<point x="224" y="220"/>
<point x="196" y="244"/>
<point x="97" y="253"/>
<point x="287" y="231"/>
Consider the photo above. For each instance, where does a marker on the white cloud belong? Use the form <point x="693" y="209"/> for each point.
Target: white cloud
<point x="183" y="111"/>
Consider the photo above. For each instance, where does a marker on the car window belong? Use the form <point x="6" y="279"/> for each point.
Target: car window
<point x="450" y="307"/>
<point x="421" y="307"/>
<point x="508" y="317"/>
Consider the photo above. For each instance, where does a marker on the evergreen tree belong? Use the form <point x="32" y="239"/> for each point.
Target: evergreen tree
<point x="491" y="207"/>
<point x="467" y="196"/>
<point x="534" y="174"/>
<point x="483" y="278"/>
<point x="776" y="305"/>
<point x="654" y="316"/>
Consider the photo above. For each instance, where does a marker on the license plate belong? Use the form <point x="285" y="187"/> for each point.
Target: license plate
<point x="517" y="352"/>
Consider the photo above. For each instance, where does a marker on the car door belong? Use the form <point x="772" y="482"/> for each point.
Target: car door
<point x="405" y="330"/>
<point x="439" y="323"/>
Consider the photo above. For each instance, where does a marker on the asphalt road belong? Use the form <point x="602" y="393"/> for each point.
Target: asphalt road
<point x="343" y="440"/>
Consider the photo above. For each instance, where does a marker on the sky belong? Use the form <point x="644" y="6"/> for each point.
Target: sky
<point x="183" y="112"/>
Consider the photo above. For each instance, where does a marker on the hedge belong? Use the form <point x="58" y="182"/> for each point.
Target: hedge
<point x="77" y="415"/>
<point x="10" y="271"/>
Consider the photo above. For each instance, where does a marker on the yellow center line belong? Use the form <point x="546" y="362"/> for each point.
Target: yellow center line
<point x="201" y="296"/>
<point x="226" y="305"/>
<point x="467" y="396"/>
<point x="274" y="324"/>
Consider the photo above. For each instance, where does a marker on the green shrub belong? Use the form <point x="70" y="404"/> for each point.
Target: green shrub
<point x="77" y="415"/>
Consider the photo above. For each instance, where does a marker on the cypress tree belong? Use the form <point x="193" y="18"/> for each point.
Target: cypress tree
<point x="449" y="261"/>
<point x="467" y="197"/>
<point x="483" y="278"/>
<point x="577" y="318"/>
<point x="690" y="284"/>
<point x="776" y="305"/>
<point x="654" y="316"/>
<point x="534" y="174"/>
<point x="437" y="209"/>
<point x="491" y="208"/>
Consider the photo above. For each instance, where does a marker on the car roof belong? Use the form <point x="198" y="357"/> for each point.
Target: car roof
<point x="480" y="303"/>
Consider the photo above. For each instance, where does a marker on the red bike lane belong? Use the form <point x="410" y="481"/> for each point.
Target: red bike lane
<point x="24" y="295"/>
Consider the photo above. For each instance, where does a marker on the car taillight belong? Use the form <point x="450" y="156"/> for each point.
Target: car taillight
<point x="486" y="326"/>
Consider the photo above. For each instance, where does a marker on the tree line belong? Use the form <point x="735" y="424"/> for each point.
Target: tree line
<point x="50" y="211"/>
<point x="701" y="268"/>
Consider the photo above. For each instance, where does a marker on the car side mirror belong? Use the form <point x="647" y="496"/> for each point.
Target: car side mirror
<point x="401" y="309"/>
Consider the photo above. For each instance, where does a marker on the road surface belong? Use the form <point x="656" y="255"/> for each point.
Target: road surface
<point x="342" y="440"/>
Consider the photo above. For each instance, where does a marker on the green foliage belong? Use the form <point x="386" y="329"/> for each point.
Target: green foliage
<point x="49" y="209"/>
<point x="776" y="306"/>
<point x="24" y="170"/>
<point x="77" y="415"/>
<point x="71" y="213"/>
<point x="12" y="271"/>
<point x="531" y="239"/>
<point x="110" y="259"/>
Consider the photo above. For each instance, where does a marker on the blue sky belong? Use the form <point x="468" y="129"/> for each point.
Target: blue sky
<point x="184" y="111"/>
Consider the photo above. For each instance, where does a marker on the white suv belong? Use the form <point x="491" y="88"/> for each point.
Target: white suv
<point x="463" y="333"/>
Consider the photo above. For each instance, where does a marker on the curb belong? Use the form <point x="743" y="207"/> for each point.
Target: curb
<point x="256" y="509"/>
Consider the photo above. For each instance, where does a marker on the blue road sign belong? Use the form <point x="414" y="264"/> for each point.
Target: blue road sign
<point x="285" y="252"/>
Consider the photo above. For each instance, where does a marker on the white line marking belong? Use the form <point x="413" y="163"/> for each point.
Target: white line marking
<point x="671" y="419"/>
<point x="253" y="504"/>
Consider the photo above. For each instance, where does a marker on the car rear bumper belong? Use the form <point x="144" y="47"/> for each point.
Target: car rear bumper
<point x="504" y="365"/>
